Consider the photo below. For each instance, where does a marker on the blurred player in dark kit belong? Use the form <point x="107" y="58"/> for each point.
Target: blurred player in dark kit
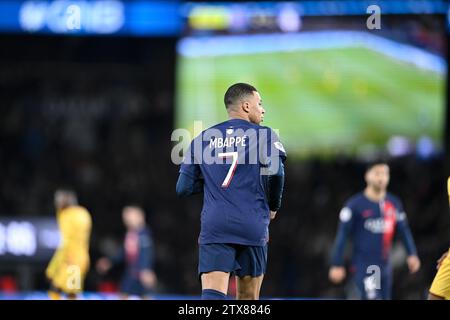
<point x="370" y="219"/>
<point x="137" y="253"/>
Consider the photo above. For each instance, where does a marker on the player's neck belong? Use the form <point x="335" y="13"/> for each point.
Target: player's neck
<point x="374" y="195"/>
<point x="237" y="115"/>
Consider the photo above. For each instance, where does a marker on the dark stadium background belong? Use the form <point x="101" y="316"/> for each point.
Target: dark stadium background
<point x="96" y="113"/>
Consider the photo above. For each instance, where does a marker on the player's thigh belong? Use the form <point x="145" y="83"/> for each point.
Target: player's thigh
<point x="248" y="287"/>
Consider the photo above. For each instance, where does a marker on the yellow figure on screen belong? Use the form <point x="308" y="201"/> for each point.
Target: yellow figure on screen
<point x="70" y="263"/>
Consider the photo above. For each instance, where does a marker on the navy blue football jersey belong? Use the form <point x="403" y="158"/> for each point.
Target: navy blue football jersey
<point x="233" y="158"/>
<point x="371" y="227"/>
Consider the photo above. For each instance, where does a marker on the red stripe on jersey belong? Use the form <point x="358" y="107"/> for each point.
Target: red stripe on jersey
<point x="389" y="216"/>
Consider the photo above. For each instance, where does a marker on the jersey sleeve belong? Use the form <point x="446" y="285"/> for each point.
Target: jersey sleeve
<point x="191" y="165"/>
<point x="190" y="180"/>
<point x="404" y="230"/>
<point x="273" y="169"/>
<point x="274" y="146"/>
<point x="346" y="221"/>
<point x="275" y="186"/>
<point x="146" y="251"/>
<point x="272" y="152"/>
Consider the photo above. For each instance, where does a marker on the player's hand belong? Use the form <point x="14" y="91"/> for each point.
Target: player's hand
<point x="441" y="259"/>
<point x="413" y="264"/>
<point x="103" y="265"/>
<point x="148" y="278"/>
<point x="337" y="274"/>
<point x="272" y="215"/>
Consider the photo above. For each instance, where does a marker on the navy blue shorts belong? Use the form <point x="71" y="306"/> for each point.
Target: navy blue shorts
<point x="234" y="258"/>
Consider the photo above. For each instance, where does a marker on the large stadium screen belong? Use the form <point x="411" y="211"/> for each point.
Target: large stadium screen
<point x="331" y="84"/>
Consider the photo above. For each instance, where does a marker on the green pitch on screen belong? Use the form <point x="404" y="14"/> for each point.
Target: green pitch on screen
<point x="323" y="102"/>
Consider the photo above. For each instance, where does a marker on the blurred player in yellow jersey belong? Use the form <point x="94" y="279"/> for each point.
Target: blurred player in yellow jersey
<point x="440" y="288"/>
<point x="70" y="263"/>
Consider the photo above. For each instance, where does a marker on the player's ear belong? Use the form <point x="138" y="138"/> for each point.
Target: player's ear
<point x="366" y="176"/>
<point x="246" y="106"/>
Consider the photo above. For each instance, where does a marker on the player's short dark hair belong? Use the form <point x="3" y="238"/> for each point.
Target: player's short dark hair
<point x="236" y="92"/>
<point x="376" y="162"/>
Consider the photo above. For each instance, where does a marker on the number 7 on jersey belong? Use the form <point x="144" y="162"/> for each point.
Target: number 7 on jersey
<point x="233" y="166"/>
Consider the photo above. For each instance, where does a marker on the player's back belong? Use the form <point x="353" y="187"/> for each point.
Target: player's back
<point x="235" y="208"/>
<point x="75" y="224"/>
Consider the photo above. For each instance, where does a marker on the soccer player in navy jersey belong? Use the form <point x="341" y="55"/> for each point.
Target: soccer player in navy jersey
<point x="239" y="166"/>
<point x="137" y="254"/>
<point x="370" y="219"/>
